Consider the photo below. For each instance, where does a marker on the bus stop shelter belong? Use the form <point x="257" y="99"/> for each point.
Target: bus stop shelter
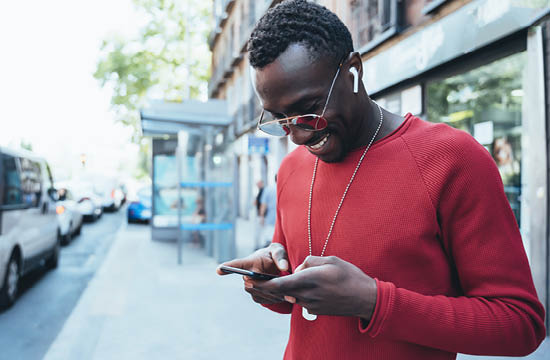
<point x="193" y="183"/>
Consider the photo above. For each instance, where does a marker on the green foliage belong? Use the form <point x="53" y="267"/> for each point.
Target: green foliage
<point x="486" y="93"/>
<point x="27" y="145"/>
<point x="168" y="59"/>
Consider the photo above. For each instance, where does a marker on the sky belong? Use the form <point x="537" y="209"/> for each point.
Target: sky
<point x="48" y="96"/>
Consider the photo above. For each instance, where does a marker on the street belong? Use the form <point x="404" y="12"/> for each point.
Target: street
<point x="47" y="298"/>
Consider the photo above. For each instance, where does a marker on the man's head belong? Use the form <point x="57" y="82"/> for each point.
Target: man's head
<point x="300" y="51"/>
<point x="299" y="22"/>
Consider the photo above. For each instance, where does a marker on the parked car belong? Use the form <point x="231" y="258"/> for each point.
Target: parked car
<point x="68" y="214"/>
<point x="124" y="190"/>
<point x="90" y="204"/>
<point x="139" y="210"/>
<point x="29" y="231"/>
<point x="110" y="192"/>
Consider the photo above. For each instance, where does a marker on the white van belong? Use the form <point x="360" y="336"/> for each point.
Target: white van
<point x="29" y="231"/>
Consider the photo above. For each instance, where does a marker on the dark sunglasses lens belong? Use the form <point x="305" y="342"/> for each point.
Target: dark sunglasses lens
<point x="310" y="122"/>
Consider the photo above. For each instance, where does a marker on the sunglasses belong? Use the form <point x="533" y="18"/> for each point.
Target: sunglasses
<point x="276" y="126"/>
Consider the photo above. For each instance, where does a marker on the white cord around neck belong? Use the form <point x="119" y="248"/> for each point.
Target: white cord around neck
<point x="345" y="191"/>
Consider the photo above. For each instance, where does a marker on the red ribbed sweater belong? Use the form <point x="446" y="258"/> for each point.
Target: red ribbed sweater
<point x="427" y="217"/>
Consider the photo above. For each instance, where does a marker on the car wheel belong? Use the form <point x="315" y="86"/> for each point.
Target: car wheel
<point x="53" y="260"/>
<point x="8" y="294"/>
<point x="67" y="238"/>
<point x="78" y="229"/>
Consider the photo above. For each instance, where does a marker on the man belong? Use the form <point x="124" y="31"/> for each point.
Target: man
<point x="394" y="234"/>
<point x="258" y="232"/>
<point x="257" y="204"/>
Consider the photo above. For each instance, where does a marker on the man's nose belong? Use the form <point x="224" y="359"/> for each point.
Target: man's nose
<point x="298" y="135"/>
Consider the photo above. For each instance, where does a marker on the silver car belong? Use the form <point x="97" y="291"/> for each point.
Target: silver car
<point x="89" y="202"/>
<point x="110" y="192"/>
<point x="68" y="214"/>
<point x="29" y="231"/>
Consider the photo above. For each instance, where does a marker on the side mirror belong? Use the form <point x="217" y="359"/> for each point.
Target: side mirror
<point x="53" y="194"/>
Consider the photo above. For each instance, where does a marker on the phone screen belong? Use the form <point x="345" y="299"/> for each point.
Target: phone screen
<point x="252" y="274"/>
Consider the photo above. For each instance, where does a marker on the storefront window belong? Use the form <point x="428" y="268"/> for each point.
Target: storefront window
<point x="487" y="103"/>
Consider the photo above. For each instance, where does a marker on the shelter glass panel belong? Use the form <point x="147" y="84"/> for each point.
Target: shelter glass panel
<point x="165" y="191"/>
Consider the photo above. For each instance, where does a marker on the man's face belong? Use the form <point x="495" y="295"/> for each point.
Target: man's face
<point x="294" y="85"/>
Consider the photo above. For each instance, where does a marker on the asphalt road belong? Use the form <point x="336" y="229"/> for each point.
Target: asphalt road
<point x="47" y="298"/>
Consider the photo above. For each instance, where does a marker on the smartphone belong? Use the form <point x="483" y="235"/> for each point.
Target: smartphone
<point x="252" y="274"/>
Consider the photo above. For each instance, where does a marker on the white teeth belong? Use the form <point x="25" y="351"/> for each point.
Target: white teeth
<point x="320" y="143"/>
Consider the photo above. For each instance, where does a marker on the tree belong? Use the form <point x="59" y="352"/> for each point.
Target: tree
<point x="169" y="59"/>
<point x="27" y="145"/>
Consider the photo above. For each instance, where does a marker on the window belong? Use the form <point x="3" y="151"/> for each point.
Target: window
<point x="65" y="194"/>
<point x="487" y="103"/>
<point x="31" y="184"/>
<point x="251" y="13"/>
<point x="372" y="22"/>
<point x="12" y="192"/>
<point x="242" y="27"/>
<point x="230" y="44"/>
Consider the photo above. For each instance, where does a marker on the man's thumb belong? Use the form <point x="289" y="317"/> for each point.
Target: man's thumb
<point x="311" y="261"/>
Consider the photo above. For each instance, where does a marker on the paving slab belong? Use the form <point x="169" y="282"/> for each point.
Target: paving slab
<point x="142" y="305"/>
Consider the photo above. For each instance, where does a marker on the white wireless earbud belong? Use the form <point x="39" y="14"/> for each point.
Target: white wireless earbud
<point x="355" y="79"/>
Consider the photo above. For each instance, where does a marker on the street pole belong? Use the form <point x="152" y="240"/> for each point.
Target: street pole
<point x="180" y="239"/>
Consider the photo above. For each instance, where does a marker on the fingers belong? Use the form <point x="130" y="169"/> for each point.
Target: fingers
<point x="260" y="296"/>
<point x="306" y="276"/>
<point x="279" y="255"/>
<point x="238" y="263"/>
<point x="262" y="260"/>
<point x="302" y="266"/>
<point x="290" y="299"/>
<point x="312" y="261"/>
<point x="286" y="285"/>
<point x="263" y="298"/>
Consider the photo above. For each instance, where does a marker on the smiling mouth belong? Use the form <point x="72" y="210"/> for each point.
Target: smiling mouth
<point x="320" y="143"/>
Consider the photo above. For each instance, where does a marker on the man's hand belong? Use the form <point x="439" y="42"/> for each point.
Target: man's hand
<point x="270" y="260"/>
<point x="326" y="286"/>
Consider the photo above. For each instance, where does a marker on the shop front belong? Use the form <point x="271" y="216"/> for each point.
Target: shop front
<point x="488" y="80"/>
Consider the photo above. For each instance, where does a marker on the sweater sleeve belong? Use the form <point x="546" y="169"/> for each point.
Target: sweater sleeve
<point x="498" y="312"/>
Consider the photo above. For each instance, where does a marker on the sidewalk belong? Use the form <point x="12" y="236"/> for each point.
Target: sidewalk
<point x="142" y="305"/>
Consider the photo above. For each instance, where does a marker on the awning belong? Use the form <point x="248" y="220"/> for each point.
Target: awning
<point x="168" y="118"/>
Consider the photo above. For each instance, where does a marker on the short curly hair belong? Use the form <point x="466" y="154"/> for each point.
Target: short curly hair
<point x="299" y="22"/>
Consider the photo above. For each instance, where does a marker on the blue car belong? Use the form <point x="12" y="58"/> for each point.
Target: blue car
<point x="140" y="209"/>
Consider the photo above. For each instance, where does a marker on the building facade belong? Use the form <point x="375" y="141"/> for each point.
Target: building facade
<point x="478" y="65"/>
